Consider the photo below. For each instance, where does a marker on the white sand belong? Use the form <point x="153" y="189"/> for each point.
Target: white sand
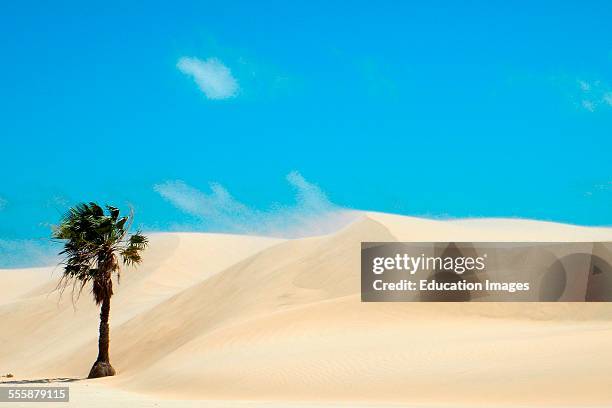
<point x="246" y="321"/>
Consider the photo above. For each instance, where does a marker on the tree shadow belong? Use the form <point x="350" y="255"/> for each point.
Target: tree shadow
<point x="42" y="381"/>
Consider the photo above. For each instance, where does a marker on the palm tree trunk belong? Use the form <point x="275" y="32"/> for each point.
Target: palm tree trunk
<point x="102" y="367"/>
<point x="104" y="339"/>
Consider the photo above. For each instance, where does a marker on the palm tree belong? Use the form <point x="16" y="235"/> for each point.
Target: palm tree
<point x="94" y="241"/>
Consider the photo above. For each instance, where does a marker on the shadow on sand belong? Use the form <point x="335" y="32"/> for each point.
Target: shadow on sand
<point x="42" y="381"/>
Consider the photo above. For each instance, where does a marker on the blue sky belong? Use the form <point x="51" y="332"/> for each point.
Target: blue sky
<point x="297" y="109"/>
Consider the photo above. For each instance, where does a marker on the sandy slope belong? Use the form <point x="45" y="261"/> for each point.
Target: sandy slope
<point x="231" y="318"/>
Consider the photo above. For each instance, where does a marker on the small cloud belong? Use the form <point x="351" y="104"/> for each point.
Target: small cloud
<point x="212" y="77"/>
<point x="3" y="203"/>
<point x="585" y="86"/>
<point x="599" y="190"/>
<point x="218" y="210"/>
<point x="588" y="105"/>
<point x="604" y="186"/>
<point x="594" y="94"/>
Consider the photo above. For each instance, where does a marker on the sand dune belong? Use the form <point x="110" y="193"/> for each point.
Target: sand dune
<point x="234" y="318"/>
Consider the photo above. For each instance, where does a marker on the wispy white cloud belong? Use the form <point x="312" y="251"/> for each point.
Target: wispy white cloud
<point x="311" y="214"/>
<point x="585" y="86"/>
<point x="594" y="94"/>
<point x="3" y="203"/>
<point x="211" y="75"/>
<point x="599" y="189"/>
<point x="15" y="253"/>
<point x="218" y="207"/>
<point x="588" y="105"/>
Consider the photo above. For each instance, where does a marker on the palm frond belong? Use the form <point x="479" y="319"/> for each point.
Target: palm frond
<point x="93" y="239"/>
<point x="135" y="245"/>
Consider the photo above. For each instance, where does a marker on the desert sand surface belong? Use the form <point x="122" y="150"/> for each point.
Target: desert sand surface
<point x="242" y="321"/>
